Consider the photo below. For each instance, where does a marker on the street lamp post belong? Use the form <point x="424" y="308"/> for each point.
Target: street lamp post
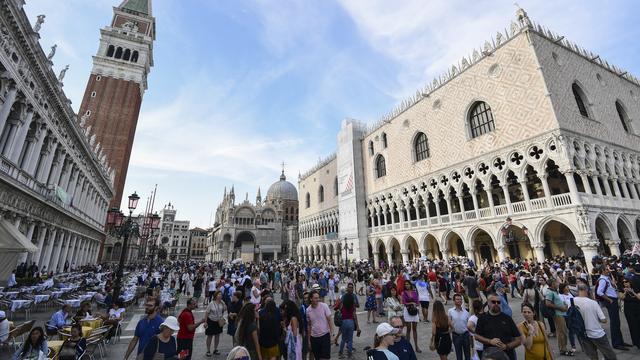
<point x="346" y="253"/>
<point x="124" y="230"/>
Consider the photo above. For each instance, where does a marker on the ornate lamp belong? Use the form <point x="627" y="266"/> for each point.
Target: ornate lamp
<point x="133" y="201"/>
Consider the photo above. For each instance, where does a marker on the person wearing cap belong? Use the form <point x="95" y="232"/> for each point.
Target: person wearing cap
<point x="164" y="343"/>
<point x="384" y="338"/>
<point x="401" y="346"/>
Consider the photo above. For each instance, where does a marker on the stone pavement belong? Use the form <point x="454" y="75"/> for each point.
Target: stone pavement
<point x="116" y="351"/>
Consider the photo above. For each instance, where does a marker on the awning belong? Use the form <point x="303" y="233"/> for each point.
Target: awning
<point x="12" y="240"/>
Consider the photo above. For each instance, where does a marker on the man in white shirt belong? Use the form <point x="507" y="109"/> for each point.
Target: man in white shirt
<point x="458" y="319"/>
<point x="11" y="282"/>
<point x="593" y="318"/>
<point x="422" y="287"/>
<point x="4" y="327"/>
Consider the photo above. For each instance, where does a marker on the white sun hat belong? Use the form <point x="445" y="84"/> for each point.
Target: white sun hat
<point x="171" y="322"/>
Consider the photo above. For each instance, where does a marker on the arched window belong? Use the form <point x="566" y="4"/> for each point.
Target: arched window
<point x="335" y="186"/>
<point x="370" y="147"/>
<point x="624" y="118"/>
<point x="381" y="167"/>
<point x="110" y="50"/>
<point x="118" y="53"/>
<point x="308" y="200"/>
<point x="127" y="55"/>
<point x="384" y="140"/>
<point x="421" y="147"/>
<point x="134" y="56"/>
<point x="321" y="194"/>
<point x="578" y="94"/>
<point x="481" y="119"/>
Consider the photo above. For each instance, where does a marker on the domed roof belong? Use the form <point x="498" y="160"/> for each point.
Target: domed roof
<point x="282" y="190"/>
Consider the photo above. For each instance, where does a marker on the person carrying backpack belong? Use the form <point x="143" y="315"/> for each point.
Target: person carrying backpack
<point x="590" y="317"/>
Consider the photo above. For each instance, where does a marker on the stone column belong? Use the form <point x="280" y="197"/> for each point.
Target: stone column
<point x="614" y="247"/>
<point x="448" y="201"/>
<point x="547" y="191"/>
<point x="9" y="99"/>
<point x="36" y="150"/>
<point x="53" y="232"/>
<point x="56" y="254"/>
<point x="492" y="206"/>
<point x="461" y="204"/>
<point x="389" y="257"/>
<point x="507" y="198"/>
<point x="623" y="189"/>
<point x="20" y="137"/>
<point x="607" y="186"/>
<point x="423" y="252"/>
<point x="589" y="252"/>
<point x="471" y="254"/>
<point x="405" y="256"/>
<point x="376" y="260"/>
<point x="525" y="193"/>
<point x="336" y="259"/>
<point x="474" y="197"/>
<point x="573" y="189"/>
<point x="501" y="255"/>
<point x="71" y="239"/>
<point x="47" y="163"/>
<point x="69" y="257"/>
<point x="437" y="202"/>
<point x="445" y="255"/>
<point x="42" y="231"/>
<point x="634" y="192"/>
<point x="596" y="184"/>
<point x="585" y="182"/>
<point x="29" y="235"/>
<point x="538" y="249"/>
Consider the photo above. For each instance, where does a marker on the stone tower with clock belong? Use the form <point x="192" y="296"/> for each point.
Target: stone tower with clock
<point x="111" y="104"/>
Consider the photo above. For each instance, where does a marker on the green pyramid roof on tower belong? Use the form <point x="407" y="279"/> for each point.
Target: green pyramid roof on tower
<point x="138" y="7"/>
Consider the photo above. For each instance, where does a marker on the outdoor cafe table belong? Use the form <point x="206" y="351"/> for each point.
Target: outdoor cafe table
<point x="40" y="298"/>
<point x="86" y="330"/>
<point x="74" y="303"/>
<point x="92" y="323"/>
<point x="55" y="345"/>
<point x="56" y="294"/>
<point x="18" y="304"/>
<point x="11" y="294"/>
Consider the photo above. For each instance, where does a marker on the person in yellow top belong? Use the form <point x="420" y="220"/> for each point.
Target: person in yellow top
<point x="536" y="344"/>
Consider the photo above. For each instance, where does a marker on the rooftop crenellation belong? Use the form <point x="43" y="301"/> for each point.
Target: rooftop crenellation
<point x="321" y="163"/>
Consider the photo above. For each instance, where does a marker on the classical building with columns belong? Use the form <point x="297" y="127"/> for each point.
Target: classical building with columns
<point x="264" y="230"/>
<point x="55" y="185"/>
<point x="527" y="148"/>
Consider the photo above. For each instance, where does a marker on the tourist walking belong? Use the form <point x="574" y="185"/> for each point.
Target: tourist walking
<point x="592" y="316"/>
<point x="164" y="344"/>
<point x="214" y="314"/>
<point x="232" y="315"/>
<point x="410" y="313"/>
<point x="188" y="327"/>
<point x="320" y="327"/>
<point x="293" y="339"/>
<point x="631" y="302"/>
<point x="535" y="343"/>
<point x="607" y="294"/>
<point x="392" y="304"/>
<point x="247" y="332"/>
<point x="384" y="337"/>
<point x="554" y="301"/>
<point x="349" y="321"/>
<point x="270" y="330"/>
<point x="497" y="329"/>
<point x="424" y="296"/>
<point x="440" y="335"/>
<point x="458" y="318"/>
<point x="477" y="308"/>
<point x="146" y="327"/>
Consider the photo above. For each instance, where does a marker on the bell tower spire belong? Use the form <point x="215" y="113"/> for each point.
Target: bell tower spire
<point x="118" y="80"/>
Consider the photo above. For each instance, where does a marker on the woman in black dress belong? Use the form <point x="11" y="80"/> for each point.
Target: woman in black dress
<point x="234" y="309"/>
<point x="440" y="330"/>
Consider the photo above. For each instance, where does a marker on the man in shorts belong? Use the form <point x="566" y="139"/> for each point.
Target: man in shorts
<point x="320" y="327"/>
<point x="423" y="289"/>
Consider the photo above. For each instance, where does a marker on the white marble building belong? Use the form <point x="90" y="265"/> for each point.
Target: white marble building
<point x="174" y="234"/>
<point x="54" y="182"/>
<point x="527" y="148"/>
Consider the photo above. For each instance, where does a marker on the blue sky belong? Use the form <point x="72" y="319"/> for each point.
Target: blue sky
<point x="240" y="86"/>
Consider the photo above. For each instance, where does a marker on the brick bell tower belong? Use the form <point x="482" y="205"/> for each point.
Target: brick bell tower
<point x="112" y="99"/>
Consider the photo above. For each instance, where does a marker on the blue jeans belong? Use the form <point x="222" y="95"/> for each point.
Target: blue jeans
<point x="347" y="328"/>
<point x="462" y="345"/>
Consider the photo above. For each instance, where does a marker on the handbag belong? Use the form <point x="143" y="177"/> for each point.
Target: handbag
<point x="156" y="355"/>
<point x="221" y="322"/>
<point x="412" y="310"/>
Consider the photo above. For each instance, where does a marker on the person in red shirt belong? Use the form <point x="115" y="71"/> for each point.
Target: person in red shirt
<point x="188" y="328"/>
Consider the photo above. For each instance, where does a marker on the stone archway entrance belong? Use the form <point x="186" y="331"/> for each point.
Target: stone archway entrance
<point x="604" y="234"/>
<point x="412" y="247"/>
<point x="455" y="245"/>
<point x="517" y="243"/>
<point x="382" y="255"/>
<point x="396" y="257"/>
<point x="432" y="246"/>
<point x="624" y="234"/>
<point x="484" y="248"/>
<point x="245" y="247"/>
<point x="559" y="240"/>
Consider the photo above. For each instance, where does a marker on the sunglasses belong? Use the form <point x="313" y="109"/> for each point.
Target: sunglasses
<point x="495" y="301"/>
<point x="242" y="358"/>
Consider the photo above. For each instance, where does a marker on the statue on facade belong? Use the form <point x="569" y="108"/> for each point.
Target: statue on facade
<point x="63" y="72"/>
<point x="38" y="25"/>
<point x="52" y="53"/>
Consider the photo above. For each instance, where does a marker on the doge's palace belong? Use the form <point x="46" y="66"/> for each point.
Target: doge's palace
<point x="529" y="147"/>
<point x="55" y="184"/>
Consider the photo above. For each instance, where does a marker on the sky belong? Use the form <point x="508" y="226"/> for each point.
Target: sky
<point x="238" y="87"/>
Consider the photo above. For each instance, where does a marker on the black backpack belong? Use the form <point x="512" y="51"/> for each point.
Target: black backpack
<point x="575" y="321"/>
<point x="226" y="294"/>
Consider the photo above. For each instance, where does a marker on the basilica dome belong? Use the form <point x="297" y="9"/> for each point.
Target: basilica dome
<point x="282" y="190"/>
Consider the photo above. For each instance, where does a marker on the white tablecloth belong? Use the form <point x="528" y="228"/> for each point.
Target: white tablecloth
<point x="18" y="304"/>
<point x="40" y="298"/>
<point x="56" y="294"/>
<point x="11" y="294"/>
<point x="74" y="303"/>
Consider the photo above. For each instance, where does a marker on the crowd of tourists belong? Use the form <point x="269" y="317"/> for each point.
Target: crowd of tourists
<point x="299" y="311"/>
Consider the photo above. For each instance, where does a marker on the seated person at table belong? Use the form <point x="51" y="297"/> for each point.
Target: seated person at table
<point x="33" y="346"/>
<point x="74" y="346"/>
<point x="58" y="320"/>
<point x="100" y="296"/>
<point x="116" y="314"/>
<point x="4" y="327"/>
<point x="84" y="312"/>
